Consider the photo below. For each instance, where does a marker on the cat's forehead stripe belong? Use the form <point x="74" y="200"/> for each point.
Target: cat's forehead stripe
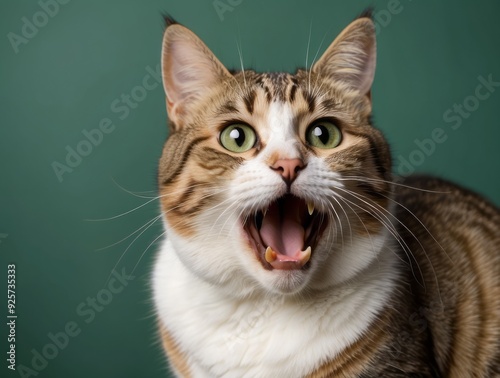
<point x="276" y="85"/>
<point x="293" y="89"/>
<point x="249" y="100"/>
<point x="311" y="101"/>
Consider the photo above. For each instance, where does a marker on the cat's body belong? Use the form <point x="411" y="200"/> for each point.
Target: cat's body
<point x="401" y="278"/>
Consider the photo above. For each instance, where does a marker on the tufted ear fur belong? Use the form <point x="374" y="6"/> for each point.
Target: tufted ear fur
<point x="351" y="57"/>
<point x="189" y="69"/>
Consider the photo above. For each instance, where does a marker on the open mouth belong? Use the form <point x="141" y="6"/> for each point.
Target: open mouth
<point x="285" y="234"/>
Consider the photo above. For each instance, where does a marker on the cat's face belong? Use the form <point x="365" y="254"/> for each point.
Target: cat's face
<point x="273" y="182"/>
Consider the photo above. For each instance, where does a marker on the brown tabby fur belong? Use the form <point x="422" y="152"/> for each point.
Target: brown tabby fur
<point x="444" y="319"/>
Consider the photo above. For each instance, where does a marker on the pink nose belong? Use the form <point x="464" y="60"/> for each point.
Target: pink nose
<point x="288" y="168"/>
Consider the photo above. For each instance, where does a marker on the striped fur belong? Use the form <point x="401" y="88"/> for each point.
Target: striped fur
<point x="404" y="281"/>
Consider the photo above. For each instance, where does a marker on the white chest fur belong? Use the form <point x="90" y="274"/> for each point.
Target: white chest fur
<point x="265" y="336"/>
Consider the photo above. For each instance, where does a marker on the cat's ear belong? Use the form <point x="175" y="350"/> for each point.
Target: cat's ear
<point x="351" y="57"/>
<point x="189" y="69"/>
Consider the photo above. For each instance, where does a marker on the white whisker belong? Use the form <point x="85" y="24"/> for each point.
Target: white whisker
<point x="307" y="58"/>
<point x="381" y="210"/>
<point x="136" y="231"/>
<point x="240" y="53"/>
<point x="143" y="253"/>
<point x="130" y="245"/>
<point x="122" y="214"/>
<point x="135" y="194"/>
<point x="363" y="179"/>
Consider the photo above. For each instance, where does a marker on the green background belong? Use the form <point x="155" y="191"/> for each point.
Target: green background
<point x="65" y="79"/>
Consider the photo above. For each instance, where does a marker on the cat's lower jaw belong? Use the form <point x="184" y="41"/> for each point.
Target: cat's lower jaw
<point x="220" y="335"/>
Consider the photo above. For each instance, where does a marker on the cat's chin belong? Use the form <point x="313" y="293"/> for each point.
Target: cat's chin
<point x="284" y="235"/>
<point x="285" y="282"/>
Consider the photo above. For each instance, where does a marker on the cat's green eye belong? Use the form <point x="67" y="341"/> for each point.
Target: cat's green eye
<point x="238" y="137"/>
<point x="323" y="134"/>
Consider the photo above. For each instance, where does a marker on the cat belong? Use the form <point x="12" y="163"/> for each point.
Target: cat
<point x="291" y="249"/>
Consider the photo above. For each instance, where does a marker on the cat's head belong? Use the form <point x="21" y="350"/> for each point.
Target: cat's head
<point x="273" y="181"/>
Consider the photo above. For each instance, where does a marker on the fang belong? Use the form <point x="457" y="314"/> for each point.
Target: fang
<point x="310" y="207"/>
<point x="270" y="255"/>
<point x="305" y="255"/>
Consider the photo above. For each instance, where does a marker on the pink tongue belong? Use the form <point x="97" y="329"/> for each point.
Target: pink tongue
<point x="283" y="232"/>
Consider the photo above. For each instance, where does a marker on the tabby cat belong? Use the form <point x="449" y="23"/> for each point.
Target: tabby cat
<point x="291" y="250"/>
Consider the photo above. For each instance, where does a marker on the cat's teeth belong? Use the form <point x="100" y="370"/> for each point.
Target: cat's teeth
<point x="305" y="255"/>
<point x="310" y="207"/>
<point x="270" y="255"/>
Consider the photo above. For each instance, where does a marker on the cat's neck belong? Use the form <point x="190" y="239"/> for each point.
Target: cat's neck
<point x="218" y="326"/>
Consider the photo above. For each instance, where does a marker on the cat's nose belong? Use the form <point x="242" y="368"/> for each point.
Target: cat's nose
<point x="288" y="169"/>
